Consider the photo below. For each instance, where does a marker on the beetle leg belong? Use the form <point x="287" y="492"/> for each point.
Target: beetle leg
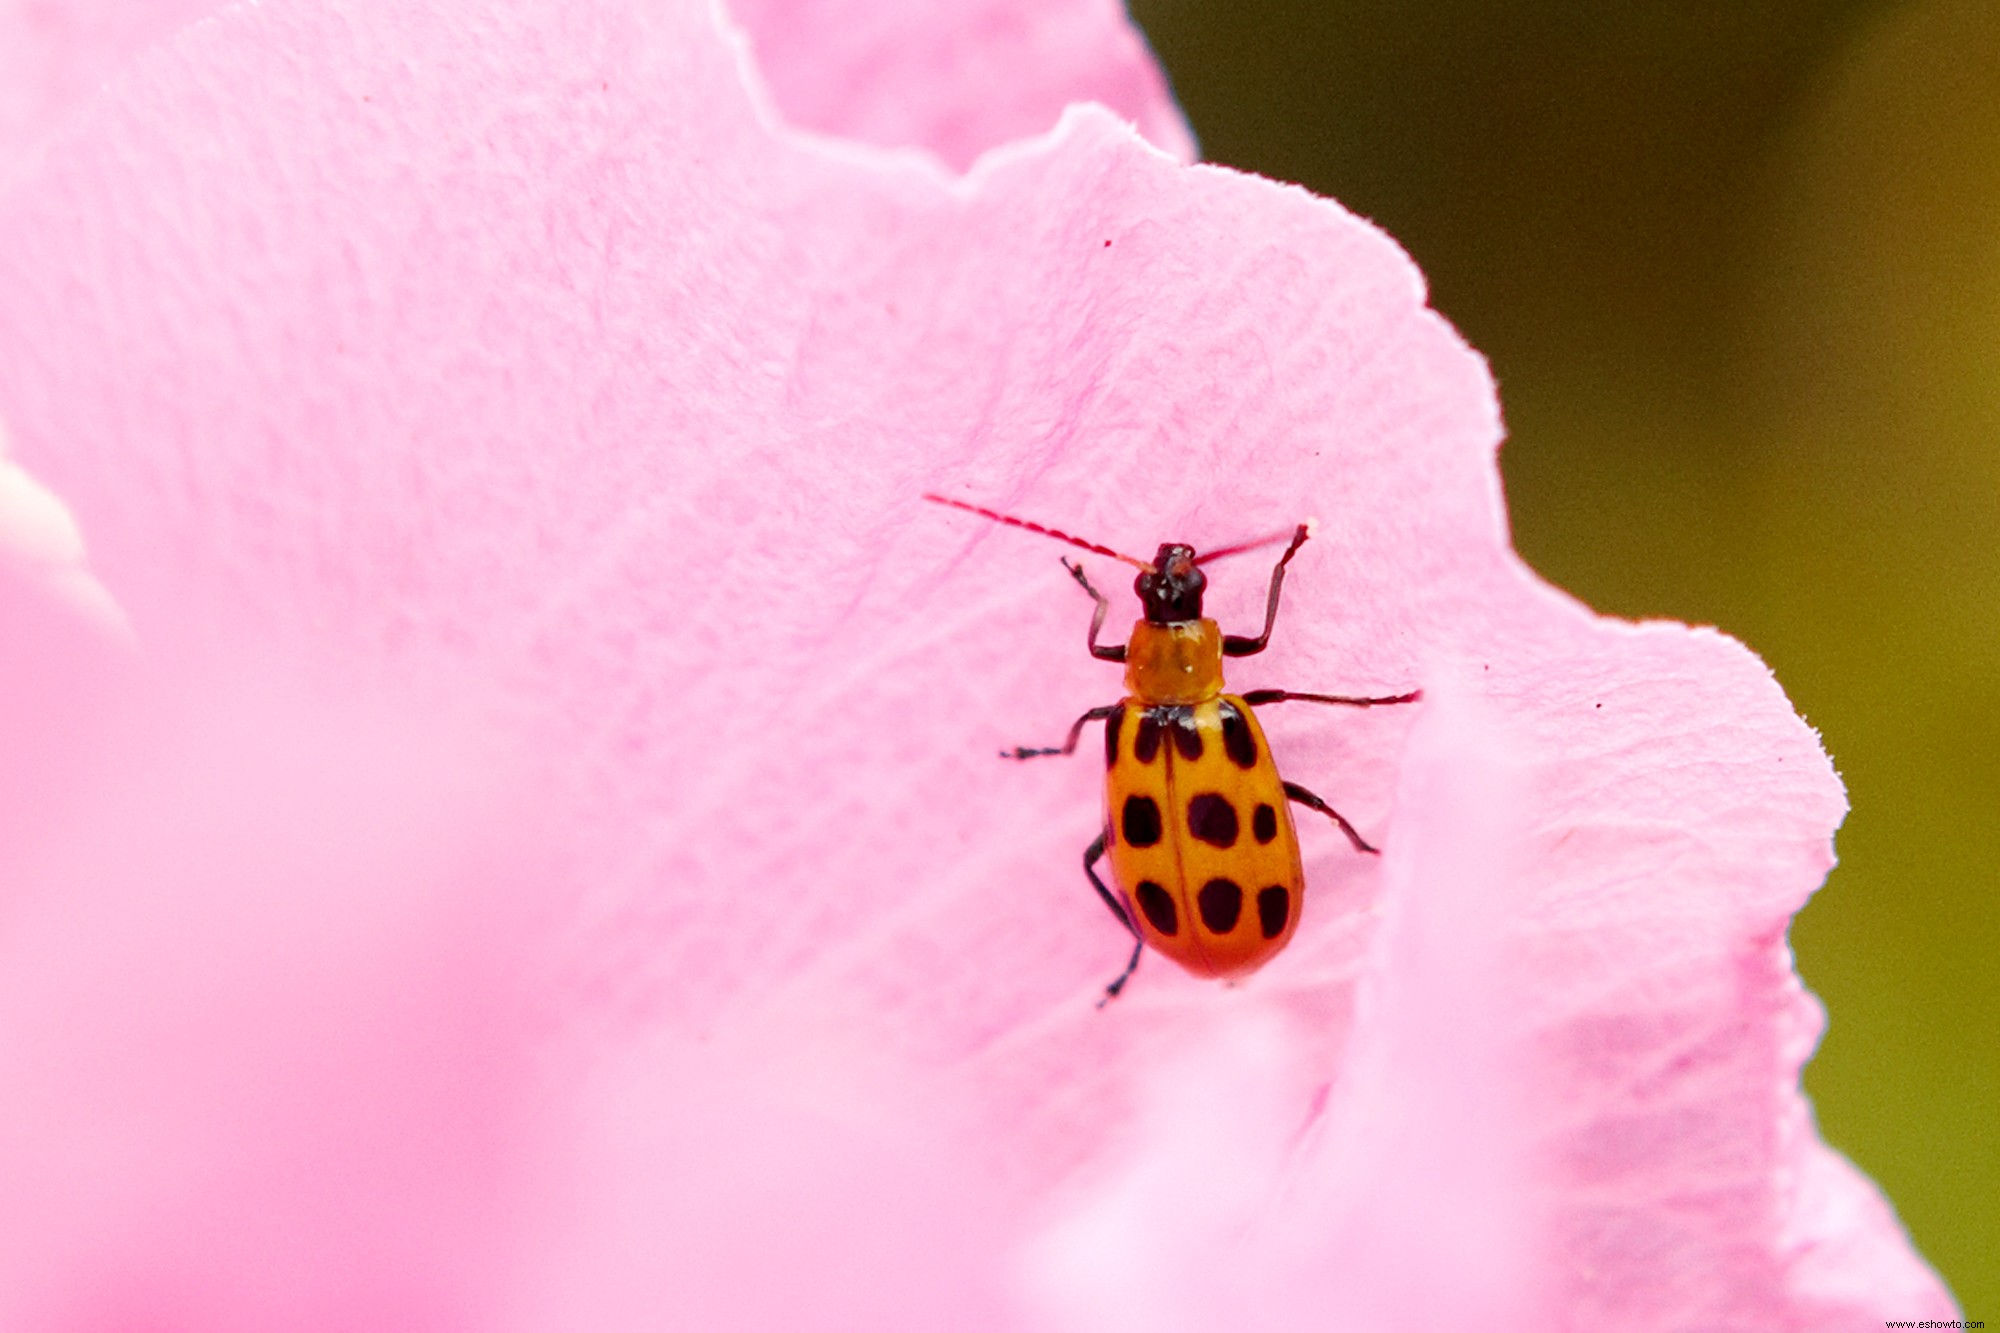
<point x="1102" y="652"/>
<point x="1258" y="698"/>
<point x="1312" y="802"/>
<point x="1236" y="645"/>
<point x="1069" y="745"/>
<point x="1091" y="856"/>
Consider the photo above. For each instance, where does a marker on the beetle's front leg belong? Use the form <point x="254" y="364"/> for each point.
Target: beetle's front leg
<point x="1237" y="645"/>
<point x="1102" y="652"/>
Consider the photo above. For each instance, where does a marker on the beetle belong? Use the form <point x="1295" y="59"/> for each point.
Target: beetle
<point x="1197" y="820"/>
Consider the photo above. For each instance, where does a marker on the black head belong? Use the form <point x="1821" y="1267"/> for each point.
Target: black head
<point x="1171" y="590"/>
<point x="1171" y="587"/>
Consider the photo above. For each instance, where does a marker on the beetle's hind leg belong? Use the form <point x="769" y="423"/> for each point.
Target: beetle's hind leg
<point x="1312" y="802"/>
<point x="1091" y="856"/>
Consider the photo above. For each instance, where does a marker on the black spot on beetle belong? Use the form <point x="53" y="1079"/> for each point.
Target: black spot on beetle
<point x="1237" y="741"/>
<point x="1146" y="743"/>
<point x="1274" y="909"/>
<point x="1187" y="736"/>
<point x="1221" y="903"/>
<point x="1140" y="821"/>
<point x="1112" y="726"/>
<point x="1212" y="819"/>
<point x="1264" y="823"/>
<point x="1158" y="905"/>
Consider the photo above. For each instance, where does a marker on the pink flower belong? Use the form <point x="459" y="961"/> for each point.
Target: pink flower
<point x="54" y="54"/>
<point x="538" y="859"/>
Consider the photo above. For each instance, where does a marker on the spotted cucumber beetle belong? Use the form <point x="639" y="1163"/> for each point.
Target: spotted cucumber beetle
<point x="1197" y="820"/>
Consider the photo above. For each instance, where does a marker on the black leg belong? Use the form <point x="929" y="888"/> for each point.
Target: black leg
<point x="1235" y="645"/>
<point x="1091" y="856"/>
<point x="1069" y="745"/>
<point x="1102" y="652"/>
<point x="1312" y="802"/>
<point x="1258" y="698"/>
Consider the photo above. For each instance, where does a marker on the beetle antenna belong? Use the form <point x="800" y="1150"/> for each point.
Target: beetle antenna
<point x="1013" y="522"/>
<point x="1298" y="536"/>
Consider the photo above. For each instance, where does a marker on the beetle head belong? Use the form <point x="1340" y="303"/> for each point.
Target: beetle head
<point x="1171" y="588"/>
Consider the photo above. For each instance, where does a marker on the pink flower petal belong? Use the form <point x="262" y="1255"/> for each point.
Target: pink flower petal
<point x="258" y="1012"/>
<point x="743" y="1185"/>
<point x="55" y="53"/>
<point x="508" y="366"/>
<point x="1402" y="1191"/>
<point x="958" y="78"/>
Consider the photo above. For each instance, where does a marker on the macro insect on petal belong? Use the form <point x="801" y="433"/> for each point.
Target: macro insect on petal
<point x="1197" y="820"/>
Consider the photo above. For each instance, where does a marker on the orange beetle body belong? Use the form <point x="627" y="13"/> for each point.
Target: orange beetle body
<point x="1197" y="821"/>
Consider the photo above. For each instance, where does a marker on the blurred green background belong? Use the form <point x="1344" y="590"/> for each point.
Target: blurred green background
<point x="1737" y="268"/>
